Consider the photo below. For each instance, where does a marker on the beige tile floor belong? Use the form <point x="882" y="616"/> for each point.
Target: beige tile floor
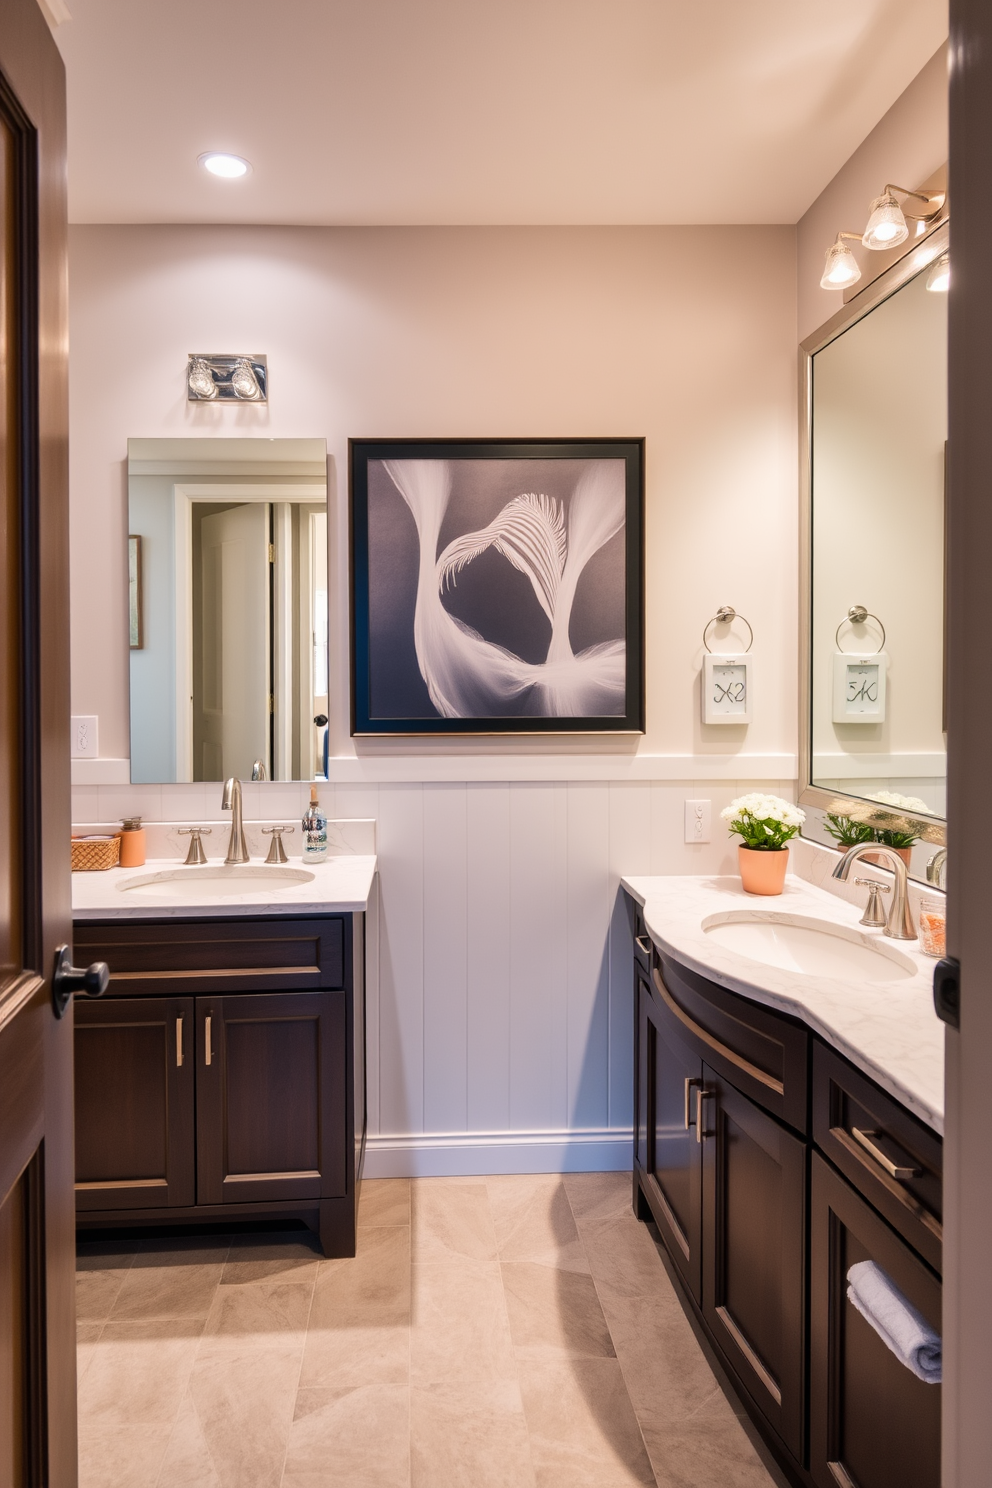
<point x="491" y="1333"/>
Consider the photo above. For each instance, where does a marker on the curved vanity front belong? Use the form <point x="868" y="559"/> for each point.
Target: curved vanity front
<point x="786" y="1128"/>
<point x="222" y="1077"/>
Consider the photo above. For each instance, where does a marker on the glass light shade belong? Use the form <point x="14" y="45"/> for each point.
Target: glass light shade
<point x="227" y="166"/>
<point x="886" y="224"/>
<point x="840" y="268"/>
<point x="939" y="277"/>
<point x="243" y="380"/>
<point x="199" y="379"/>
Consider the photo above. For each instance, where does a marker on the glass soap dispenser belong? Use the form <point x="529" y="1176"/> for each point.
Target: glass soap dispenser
<point x="314" y="831"/>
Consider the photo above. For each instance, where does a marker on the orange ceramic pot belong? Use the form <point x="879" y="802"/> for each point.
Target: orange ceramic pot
<point x="762" y="871"/>
<point x="906" y="853"/>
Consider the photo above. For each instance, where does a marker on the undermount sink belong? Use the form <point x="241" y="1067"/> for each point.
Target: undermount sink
<point x="214" y="881"/>
<point x="812" y="947"/>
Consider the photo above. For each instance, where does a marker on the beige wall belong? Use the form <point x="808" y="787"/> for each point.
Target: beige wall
<point x="906" y="146"/>
<point x="684" y="335"/>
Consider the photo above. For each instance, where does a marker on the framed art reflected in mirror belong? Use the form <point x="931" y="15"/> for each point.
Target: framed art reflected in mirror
<point x="497" y="586"/>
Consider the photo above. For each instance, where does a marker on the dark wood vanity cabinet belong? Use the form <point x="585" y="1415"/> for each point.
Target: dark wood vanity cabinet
<point x="732" y="1101"/>
<point x="873" y="1423"/>
<point x="228" y="1103"/>
<point x="754" y="1203"/>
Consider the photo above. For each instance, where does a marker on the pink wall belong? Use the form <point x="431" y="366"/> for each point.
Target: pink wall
<point x="684" y="335"/>
<point x="906" y="146"/>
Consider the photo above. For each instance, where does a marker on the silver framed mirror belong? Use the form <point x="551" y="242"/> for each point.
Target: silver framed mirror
<point x="872" y="748"/>
<point x="228" y="608"/>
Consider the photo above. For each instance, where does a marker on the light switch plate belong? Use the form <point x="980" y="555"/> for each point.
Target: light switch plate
<point x="85" y="737"/>
<point x="697" y="821"/>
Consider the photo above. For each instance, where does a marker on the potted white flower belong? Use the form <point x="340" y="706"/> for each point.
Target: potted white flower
<point x="766" y="824"/>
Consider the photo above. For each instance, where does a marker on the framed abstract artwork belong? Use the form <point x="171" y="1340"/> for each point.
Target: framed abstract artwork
<point x="497" y="586"/>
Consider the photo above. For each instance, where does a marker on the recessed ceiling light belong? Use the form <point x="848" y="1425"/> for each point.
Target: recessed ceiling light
<point x="228" y="166"/>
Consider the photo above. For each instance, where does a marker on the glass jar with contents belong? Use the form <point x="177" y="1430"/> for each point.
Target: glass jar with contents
<point x="933" y="927"/>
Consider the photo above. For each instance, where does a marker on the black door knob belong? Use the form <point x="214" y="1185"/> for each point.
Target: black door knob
<point x="68" y="980"/>
<point x="320" y="720"/>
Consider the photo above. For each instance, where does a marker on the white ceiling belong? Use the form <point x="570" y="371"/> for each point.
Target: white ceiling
<point x="478" y="111"/>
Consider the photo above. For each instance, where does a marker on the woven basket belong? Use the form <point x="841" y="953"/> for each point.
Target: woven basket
<point x="88" y="857"/>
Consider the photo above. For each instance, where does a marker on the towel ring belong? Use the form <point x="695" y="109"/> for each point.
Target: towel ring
<point x="857" y="615"/>
<point x="723" y="616"/>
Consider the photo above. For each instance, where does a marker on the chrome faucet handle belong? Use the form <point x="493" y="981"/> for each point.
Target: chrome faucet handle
<point x="874" y="914"/>
<point x="258" y="770"/>
<point x="937" y="867"/>
<point x="276" y="853"/>
<point x="196" y="854"/>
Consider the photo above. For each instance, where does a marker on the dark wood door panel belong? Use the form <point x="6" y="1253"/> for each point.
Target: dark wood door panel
<point x="754" y="1182"/>
<point x="271" y="1097"/>
<point x="187" y="957"/>
<point x="873" y="1423"/>
<point x="135" y="1090"/>
<point x="668" y="1153"/>
<point x="867" y="1134"/>
<point x="764" y="1053"/>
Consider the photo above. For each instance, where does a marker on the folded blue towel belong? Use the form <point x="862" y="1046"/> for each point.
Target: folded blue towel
<point x="896" y="1321"/>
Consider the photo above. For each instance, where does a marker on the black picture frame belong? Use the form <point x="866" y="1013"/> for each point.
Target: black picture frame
<point x="391" y="585"/>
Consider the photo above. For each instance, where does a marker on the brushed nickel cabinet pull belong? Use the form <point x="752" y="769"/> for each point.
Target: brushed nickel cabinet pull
<point x="208" y="1051"/>
<point x="179" y="1043"/>
<point x="689" y="1086"/>
<point x="643" y="944"/>
<point x="701" y="1094"/>
<point x="894" y="1170"/>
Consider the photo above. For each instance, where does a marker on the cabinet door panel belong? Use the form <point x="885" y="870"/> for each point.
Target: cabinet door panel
<point x="667" y="1150"/>
<point x="271" y="1092"/>
<point x="753" y="1241"/>
<point x="134" y="1103"/>
<point x="872" y="1422"/>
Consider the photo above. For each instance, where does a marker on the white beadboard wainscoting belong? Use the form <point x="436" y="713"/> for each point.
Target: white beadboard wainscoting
<point x="499" y="985"/>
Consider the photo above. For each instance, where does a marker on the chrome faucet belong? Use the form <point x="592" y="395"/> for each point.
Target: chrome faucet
<point x="258" y="770"/>
<point x="899" y="924"/>
<point x="937" y="867"/>
<point x="237" y="848"/>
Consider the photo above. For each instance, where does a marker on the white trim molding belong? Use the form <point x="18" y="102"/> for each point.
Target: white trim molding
<point x="472" y="1154"/>
<point x="411" y="767"/>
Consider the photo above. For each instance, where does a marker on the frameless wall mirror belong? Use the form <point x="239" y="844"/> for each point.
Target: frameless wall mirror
<point x="227" y="556"/>
<point x="874" y="747"/>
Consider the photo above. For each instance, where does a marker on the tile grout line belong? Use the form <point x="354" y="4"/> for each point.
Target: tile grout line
<point x="509" y="1332"/>
<point x="299" y="1373"/>
<point x="623" y="1373"/>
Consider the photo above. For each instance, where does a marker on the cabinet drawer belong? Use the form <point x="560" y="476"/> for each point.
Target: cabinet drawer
<point x="845" y="1102"/>
<point x="196" y="956"/>
<point x="763" y="1053"/>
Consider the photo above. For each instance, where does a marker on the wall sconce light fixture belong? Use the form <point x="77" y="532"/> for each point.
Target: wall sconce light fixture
<point x="840" y="269"/>
<point x="886" y="228"/>
<point x="226" y="379"/>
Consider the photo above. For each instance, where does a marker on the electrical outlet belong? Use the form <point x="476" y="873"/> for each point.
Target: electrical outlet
<point x="85" y="739"/>
<point x="697" y="821"/>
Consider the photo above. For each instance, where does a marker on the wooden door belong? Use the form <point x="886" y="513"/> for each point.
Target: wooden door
<point x="669" y="1076"/>
<point x="37" y="1236"/>
<point x="271" y="1083"/>
<point x="754" y="1210"/>
<point x="135" y="1092"/>
<point x="873" y="1424"/>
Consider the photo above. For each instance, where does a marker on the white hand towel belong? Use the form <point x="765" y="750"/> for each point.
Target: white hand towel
<point x="896" y="1321"/>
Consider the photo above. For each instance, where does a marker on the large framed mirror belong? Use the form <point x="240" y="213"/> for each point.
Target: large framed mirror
<point x="873" y="743"/>
<point x="227" y="559"/>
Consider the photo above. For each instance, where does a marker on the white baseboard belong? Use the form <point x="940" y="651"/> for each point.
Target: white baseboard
<point x="471" y="1154"/>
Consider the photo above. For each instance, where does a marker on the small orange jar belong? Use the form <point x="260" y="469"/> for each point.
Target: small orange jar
<point x="132" y="837"/>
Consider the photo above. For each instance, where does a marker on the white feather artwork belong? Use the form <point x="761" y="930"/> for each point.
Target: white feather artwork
<point x="470" y="677"/>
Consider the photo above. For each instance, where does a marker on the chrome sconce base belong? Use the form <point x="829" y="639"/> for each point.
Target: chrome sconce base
<point x="213" y="378"/>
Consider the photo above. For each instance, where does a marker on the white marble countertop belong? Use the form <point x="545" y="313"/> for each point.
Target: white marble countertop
<point x="889" y="1030"/>
<point x="340" y="884"/>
